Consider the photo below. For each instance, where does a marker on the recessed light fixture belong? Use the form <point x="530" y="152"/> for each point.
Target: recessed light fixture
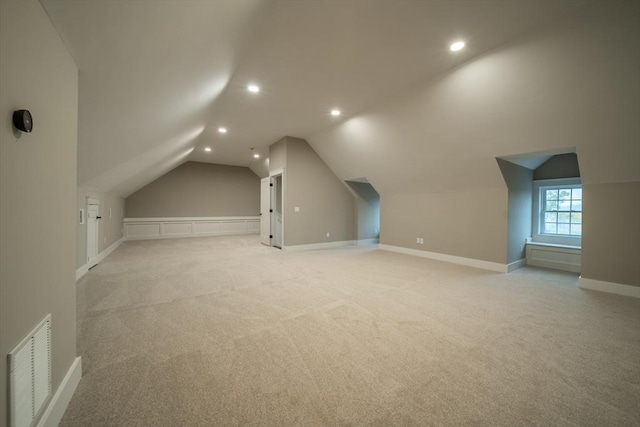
<point x="335" y="112"/>
<point x="222" y="130"/>
<point x="457" y="46"/>
<point x="253" y="88"/>
<point x="207" y="149"/>
<point x="256" y="156"/>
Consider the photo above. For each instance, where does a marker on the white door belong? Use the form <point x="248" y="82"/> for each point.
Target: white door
<point x="276" y="211"/>
<point x="92" y="234"/>
<point x="265" y="204"/>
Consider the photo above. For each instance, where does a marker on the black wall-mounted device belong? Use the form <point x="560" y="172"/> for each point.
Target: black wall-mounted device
<point x="22" y="120"/>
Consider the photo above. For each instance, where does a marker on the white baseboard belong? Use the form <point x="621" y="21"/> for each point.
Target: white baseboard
<point x="470" y="262"/>
<point x="315" y="246"/>
<point x="102" y="255"/>
<point x="82" y="271"/>
<point x="58" y="404"/>
<point x="516" y="265"/>
<point x="368" y="241"/>
<point x="609" y="287"/>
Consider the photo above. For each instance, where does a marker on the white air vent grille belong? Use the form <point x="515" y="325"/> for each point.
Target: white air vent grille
<point x="30" y="375"/>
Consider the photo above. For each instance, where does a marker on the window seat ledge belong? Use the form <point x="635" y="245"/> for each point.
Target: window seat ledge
<point x="553" y="255"/>
<point x="552" y="245"/>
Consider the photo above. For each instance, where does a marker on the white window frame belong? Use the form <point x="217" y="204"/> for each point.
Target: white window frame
<point x="538" y="211"/>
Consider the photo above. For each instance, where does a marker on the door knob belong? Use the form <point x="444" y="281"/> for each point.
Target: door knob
<point x="98" y="217"/>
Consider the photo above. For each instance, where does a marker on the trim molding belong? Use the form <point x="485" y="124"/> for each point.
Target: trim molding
<point x="516" y="265"/>
<point x="102" y="255"/>
<point x="176" y="227"/>
<point x="315" y="246"/>
<point x="189" y="218"/>
<point x="609" y="287"/>
<point x="58" y="404"/>
<point x="469" y="262"/>
<point x="82" y="271"/>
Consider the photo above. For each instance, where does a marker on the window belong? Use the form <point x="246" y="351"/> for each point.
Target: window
<point x="558" y="211"/>
<point x="562" y="210"/>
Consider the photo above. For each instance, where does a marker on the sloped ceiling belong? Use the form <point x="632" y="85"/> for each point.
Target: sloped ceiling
<point x="572" y="87"/>
<point x="157" y="78"/>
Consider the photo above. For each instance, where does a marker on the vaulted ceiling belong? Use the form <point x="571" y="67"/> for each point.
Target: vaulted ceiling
<point x="158" y="78"/>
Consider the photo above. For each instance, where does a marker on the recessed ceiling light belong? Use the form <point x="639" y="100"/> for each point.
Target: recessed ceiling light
<point x="456" y="46"/>
<point x="222" y="130"/>
<point x="207" y="149"/>
<point x="253" y="88"/>
<point x="256" y="156"/>
<point x="335" y="112"/>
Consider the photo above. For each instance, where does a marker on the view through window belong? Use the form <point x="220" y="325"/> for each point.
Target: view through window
<point x="562" y="210"/>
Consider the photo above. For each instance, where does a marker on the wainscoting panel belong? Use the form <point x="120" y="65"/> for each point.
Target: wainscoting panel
<point x="172" y="228"/>
<point x="207" y="227"/>
<point x="556" y="257"/>
<point x="142" y="230"/>
<point x="254" y="226"/>
<point x="167" y="228"/>
<point x="234" y="227"/>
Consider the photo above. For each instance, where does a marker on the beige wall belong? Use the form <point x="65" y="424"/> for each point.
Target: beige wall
<point x="469" y="224"/>
<point x="562" y="86"/>
<point x="37" y="187"/>
<point x="278" y="155"/>
<point x="196" y="189"/>
<point x="611" y="232"/>
<point x="326" y="206"/>
<point x="110" y="228"/>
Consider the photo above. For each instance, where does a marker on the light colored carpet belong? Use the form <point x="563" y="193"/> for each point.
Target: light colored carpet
<point x="224" y="331"/>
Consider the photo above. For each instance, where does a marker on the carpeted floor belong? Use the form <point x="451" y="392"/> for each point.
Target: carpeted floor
<point x="224" y="331"/>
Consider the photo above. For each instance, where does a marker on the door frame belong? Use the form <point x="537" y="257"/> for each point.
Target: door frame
<point x="93" y="201"/>
<point x="264" y="210"/>
<point x="273" y="174"/>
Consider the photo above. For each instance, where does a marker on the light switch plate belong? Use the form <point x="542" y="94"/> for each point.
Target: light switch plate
<point x="296" y="209"/>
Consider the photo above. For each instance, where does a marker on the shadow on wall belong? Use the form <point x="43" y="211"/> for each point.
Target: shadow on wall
<point x="367" y="208"/>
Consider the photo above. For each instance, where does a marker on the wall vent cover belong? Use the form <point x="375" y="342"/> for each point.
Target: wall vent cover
<point x="30" y="375"/>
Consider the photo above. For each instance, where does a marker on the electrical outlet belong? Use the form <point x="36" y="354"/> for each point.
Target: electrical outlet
<point x="105" y="239"/>
<point x="417" y="240"/>
<point x="328" y="234"/>
<point x="109" y="212"/>
<point x="420" y="240"/>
